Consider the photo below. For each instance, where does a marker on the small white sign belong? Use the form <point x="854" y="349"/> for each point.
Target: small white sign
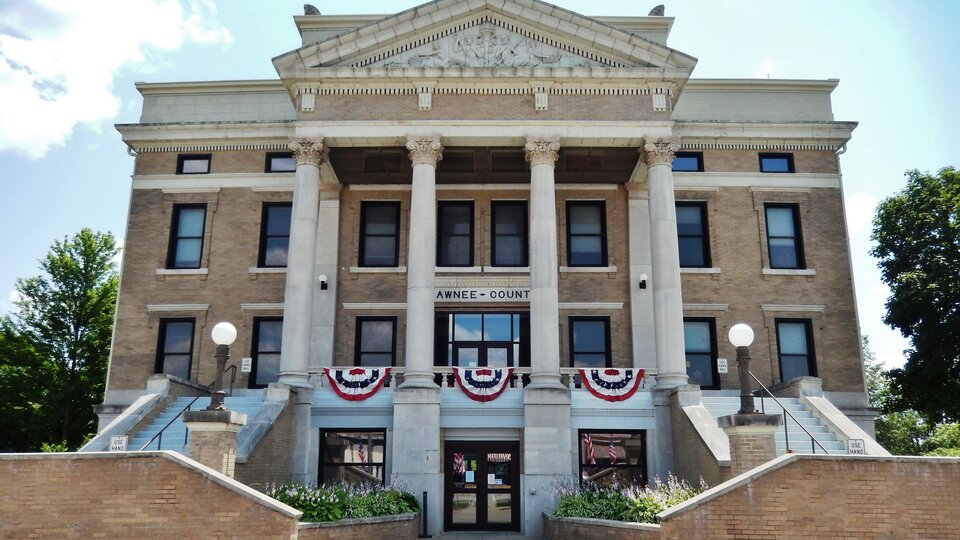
<point x="491" y="479"/>
<point x="246" y="364"/>
<point x="118" y="443"/>
<point x="722" y="366"/>
<point x="468" y="476"/>
<point x="856" y="446"/>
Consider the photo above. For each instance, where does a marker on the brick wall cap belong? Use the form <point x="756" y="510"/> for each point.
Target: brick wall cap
<point x="604" y="523"/>
<point x="749" y="420"/>
<point x="359" y="521"/>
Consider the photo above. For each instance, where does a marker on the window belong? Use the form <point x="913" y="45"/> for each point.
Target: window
<point x="613" y="458"/>
<point x="379" y="233"/>
<point x="482" y="339"/>
<point x="267" y="341"/>
<point x="280" y="162"/>
<point x="590" y="342"/>
<point x="700" y="338"/>
<point x="692" y="235"/>
<point x="776" y="163"/>
<point x="376" y="341"/>
<point x="193" y="164"/>
<point x="186" y="236"/>
<point x="454" y="233"/>
<point x="795" y="347"/>
<point x="784" y="244"/>
<point x="175" y="347"/>
<point x="688" y="162"/>
<point x="586" y="233"/>
<point x="275" y="235"/>
<point x="352" y="457"/>
<point x="508" y="244"/>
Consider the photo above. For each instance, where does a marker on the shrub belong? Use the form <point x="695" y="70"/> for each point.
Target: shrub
<point x="632" y="503"/>
<point x="337" y="501"/>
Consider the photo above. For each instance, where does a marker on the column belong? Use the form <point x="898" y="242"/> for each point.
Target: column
<point x="542" y="153"/>
<point x="665" y="276"/>
<point x="425" y="152"/>
<point x="301" y="257"/>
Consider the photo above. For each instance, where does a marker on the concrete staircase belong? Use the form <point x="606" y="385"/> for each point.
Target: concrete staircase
<point x="176" y="437"/>
<point x="799" y="441"/>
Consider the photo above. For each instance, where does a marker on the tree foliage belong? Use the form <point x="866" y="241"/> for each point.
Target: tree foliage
<point x="918" y="246"/>
<point x="55" y="347"/>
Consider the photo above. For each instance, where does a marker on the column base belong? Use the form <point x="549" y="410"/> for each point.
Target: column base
<point x="299" y="379"/>
<point x="546" y="381"/>
<point x="418" y="379"/>
<point x="671" y="380"/>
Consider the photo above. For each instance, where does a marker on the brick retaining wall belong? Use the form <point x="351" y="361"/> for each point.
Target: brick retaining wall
<point x="400" y="527"/>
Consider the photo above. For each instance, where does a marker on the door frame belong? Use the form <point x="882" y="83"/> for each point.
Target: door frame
<point x="481" y="448"/>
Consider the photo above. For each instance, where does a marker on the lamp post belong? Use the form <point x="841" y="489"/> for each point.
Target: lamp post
<point x="223" y="334"/>
<point x="741" y="336"/>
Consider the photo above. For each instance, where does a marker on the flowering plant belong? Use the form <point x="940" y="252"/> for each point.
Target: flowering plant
<point x="331" y="502"/>
<point x="631" y="503"/>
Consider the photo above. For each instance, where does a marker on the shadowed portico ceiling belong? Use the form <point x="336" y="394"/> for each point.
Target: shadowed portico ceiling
<point x="485" y="38"/>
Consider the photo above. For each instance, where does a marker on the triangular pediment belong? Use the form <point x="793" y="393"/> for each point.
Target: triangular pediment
<point x="486" y="34"/>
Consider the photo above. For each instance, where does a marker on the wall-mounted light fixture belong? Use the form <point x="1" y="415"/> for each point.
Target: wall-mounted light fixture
<point x="643" y="281"/>
<point x="323" y="282"/>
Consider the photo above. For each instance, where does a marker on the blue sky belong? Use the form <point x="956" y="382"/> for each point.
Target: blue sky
<point x="67" y="70"/>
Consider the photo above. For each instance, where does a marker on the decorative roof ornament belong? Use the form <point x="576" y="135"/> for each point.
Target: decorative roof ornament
<point x="657" y="11"/>
<point x="309" y="9"/>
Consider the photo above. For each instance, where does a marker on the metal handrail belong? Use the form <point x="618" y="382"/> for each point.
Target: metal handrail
<point x="159" y="435"/>
<point x="786" y="436"/>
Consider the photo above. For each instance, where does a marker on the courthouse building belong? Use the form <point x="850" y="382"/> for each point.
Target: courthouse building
<point x="487" y="197"/>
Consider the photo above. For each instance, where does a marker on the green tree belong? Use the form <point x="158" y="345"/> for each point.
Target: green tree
<point x="900" y="432"/>
<point x="55" y="346"/>
<point x="918" y="246"/>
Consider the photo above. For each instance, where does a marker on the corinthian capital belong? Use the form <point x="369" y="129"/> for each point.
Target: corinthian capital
<point x="307" y="151"/>
<point x="660" y="151"/>
<point x="542" y="150"/>
<point x="425" y="149"/>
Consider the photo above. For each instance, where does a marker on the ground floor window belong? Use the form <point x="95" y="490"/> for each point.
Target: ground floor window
<point x="613" y="457"/>
<point x="352" y="457"/>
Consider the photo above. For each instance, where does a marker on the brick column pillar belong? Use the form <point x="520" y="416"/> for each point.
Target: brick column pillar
<point x="665" y="275"/>
<point x="213" y="437"/>
<point x="301" y="258"/>
<point x="751" y="439"/>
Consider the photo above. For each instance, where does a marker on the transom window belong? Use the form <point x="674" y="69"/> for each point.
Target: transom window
<point x="376" y="341"/>
<point x="267" y="341"/>
<point x="692" y="234"/>
<point x="688" y="162"/>
<point x="509" y="233"/>
<point x="193" y="164"/>
<point x="175" y="347"/>
<point x="613" y="457"/>
<point x="186" y="236"/>
<point x="590" y="342"/>
<point x="455" y="233"/>
<point x="776" y="163"/>
<point x="699" y="338"/>
<point x="275" y="235"/>
<point x="352" y="457"/>
<point x="795" y="348"/>
<point x="586" y="233"/>
<point x="482" y="339"/>
<point x="784" y="244"/>
<point x="281" y="162"/>
<point x="379" y="233"/>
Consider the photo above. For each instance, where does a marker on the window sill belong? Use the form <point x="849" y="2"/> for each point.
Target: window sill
<point x="458" y="269"/>
<point x="267" y="270"/>
<point x="378" y="269"/>
<point x="589" y="269"/>
<point x="789" y="272"/>
<point x="506" y="269"/>
<point x="182" y="271"/>
<point x="712" y="270"/>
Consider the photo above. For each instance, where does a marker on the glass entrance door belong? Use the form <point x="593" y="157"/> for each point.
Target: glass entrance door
<point x="482" y="486"/>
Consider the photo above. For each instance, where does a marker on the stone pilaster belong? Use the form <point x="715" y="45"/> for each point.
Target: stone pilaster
<point x="542" y="153"/>
<point x="664" y="280"/>
<point x="213" y="438"/>
<point x="425" y="152"/>
<point x="325" y="300"/>
<point x="301" y="257"/>
<point x="751" y="439"/>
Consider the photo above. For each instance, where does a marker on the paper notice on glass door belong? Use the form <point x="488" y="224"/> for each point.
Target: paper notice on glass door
<point x="468" y="476"/>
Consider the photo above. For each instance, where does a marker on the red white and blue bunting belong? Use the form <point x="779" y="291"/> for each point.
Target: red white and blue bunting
<point x="483" y="384"/>
<point x="356" y="384"/>
<point x="612" y="384"/>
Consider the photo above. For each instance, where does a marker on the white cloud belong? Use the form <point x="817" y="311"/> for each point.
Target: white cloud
<point x="118" y="258"/>
<point x="14" y="297"/>
<point x="860" y="208"/>
<point x="58" y="59"/>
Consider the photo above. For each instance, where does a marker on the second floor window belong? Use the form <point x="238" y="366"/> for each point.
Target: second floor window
<point x="590" y="342"/>
<point x="688" y="162"/>
<point x="193" y="164"/>
<point x="175" y="347"/>
<point x="280" y="162"/>
<point x="692" y="235"/>
<point x="784" y="245"/>
<point x="509" y="232"/>
<point x="795" y="349"/>
<point x="186" y="236"/>
<point x="699" y="338"/>
<point x="379" y="233"/>
<point x="376" y="341"/>
<point x="275" y="235"/>
<point x="776" y="163"/>
<point x="455" y="233"/>
<point x="267" y="341"/>
<point x="586" y="233"/>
